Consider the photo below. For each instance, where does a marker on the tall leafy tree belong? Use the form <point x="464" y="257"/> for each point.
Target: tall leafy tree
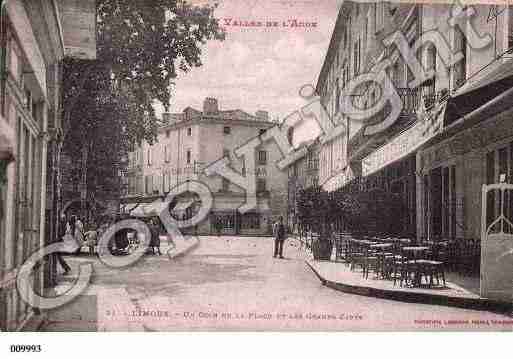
<point x="108" y="104"/>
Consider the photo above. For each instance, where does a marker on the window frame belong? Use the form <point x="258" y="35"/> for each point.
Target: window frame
<point x="262" y="157"/>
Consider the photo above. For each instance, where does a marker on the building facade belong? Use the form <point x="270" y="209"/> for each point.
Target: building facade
<point x="32" y="48"/>
<point x="193" y="139"/>
<point x="302" y="174"/>
<point x="387" y="159"/>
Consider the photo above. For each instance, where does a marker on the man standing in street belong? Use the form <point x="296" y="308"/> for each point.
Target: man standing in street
<point x="279" y="237"/>
<point x="63" y="223"/>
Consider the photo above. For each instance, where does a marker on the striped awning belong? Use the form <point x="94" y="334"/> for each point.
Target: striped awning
<point x="153" y="209"/>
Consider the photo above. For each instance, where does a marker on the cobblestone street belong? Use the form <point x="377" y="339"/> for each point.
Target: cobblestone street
<point x="234" y="283"/>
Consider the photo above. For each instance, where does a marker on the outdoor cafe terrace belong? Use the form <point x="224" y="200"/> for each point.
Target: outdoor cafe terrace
<point x="445" y="266"/>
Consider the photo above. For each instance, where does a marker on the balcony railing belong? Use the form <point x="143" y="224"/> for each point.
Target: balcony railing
<point x="410" y="99"/>
<point x="429" y="96"/>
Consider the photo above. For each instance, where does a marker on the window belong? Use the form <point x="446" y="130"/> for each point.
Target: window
<point x="166" y="153"/>
<point x="430" y="87"/>
<point x="148" y="184"/>
<point x="226" y="221"/>
<point x="188" y="156"/>
<point x="35" y="114"/>
<point x="225" y="185"/>
<point x="227" y="130"/>
<point x="165" y="182"/>
<point x="379" y="9"/>
<point x="250" y="221"/>
<point x="156" y="185"/>
<point x="499" y="166"/>
<point x="168" y="133"/>
<point x="460" y="69"/>
<point x="356" y="57"/>
<point x="261" y="185"/>
<point x="262" y="157"/>
<point x="14" y="60"/>
<point x="28" y="100"/>
<point x="189" y="131"/>
<point x="337" y="96"/>
<point x="366" y="33"/>
<point x="510" y="27"/>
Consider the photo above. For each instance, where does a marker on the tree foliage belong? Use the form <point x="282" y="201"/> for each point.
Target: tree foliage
<point x="358" y="211"/>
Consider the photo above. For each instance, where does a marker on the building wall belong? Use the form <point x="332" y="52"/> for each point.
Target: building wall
<point x="360" y="23"/>
<point x="207" y="143"/>
<point x="468" y="151"/>
<point x="355" y="46"/>
<point x="30" y="93"/>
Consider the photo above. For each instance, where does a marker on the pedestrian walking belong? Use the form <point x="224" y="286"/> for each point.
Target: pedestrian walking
<point x="91" y="238"/>
<point x="279" y="237"/>
<point x="63" y="223"/>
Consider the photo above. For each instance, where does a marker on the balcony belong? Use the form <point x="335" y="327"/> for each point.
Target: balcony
<point x="410" y="99"/>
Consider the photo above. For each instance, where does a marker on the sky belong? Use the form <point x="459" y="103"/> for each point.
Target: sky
<point x="260" y="67"/>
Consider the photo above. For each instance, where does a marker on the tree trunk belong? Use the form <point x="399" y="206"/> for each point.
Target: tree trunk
<point x="83" y="182"/>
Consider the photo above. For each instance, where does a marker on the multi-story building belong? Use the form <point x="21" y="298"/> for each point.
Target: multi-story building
<point x="32" y="46"/>
<point x="193" y="139"/>
<point x="356" y="47"/>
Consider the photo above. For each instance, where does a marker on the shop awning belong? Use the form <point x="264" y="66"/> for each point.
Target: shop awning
<point x="221" y="206"/>
<point x="480" y="89"/>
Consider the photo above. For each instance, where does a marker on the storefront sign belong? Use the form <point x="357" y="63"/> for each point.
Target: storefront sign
<point x="400" y="146"/>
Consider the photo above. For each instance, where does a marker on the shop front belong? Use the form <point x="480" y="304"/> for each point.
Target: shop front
<point x="225" y="219"/>
<point x="391" y="168"/>
<point x="452" y="172"/>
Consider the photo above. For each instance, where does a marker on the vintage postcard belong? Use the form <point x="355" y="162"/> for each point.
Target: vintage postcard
<point x="270" y="165"/>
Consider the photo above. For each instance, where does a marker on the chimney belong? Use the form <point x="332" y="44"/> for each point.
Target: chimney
<point x="210" y="106"/>
<point x="262" y="115"/>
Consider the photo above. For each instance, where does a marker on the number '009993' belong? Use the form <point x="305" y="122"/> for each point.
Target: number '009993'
<point x="25" y="348"/>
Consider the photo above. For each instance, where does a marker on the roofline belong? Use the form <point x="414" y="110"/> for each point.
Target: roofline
<point x="334" y="43"/>
<point x="210" y="120"/>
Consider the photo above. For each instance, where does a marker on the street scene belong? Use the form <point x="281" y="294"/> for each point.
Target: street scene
<point x="191" y="165"/>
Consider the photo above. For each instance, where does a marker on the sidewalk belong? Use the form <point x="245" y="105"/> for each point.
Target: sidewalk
<point x="338" y="276"/>
<point x="102" y="307"/>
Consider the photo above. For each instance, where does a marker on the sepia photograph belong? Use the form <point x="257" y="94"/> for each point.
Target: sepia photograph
<point x="255" y="166"/>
